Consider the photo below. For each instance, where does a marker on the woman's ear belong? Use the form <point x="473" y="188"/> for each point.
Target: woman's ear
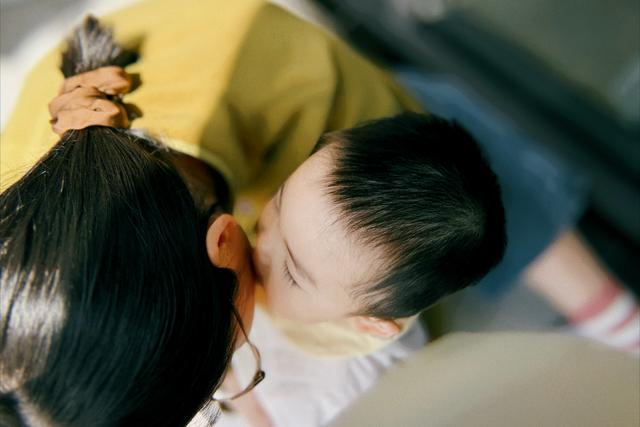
<point x="222" y="241"/>
<point x="383" y="328"/>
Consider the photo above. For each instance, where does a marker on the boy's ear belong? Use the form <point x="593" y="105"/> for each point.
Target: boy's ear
<point x="383" y="328"/>
<point x="224" y="242"/>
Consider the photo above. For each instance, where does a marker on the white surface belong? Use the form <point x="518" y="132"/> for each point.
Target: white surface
<point x="505" y="380"/>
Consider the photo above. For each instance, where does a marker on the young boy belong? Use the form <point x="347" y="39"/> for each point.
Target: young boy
<point x="382" y="221"/>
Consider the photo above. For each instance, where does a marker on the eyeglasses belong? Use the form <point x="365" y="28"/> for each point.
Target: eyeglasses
<point x="259" y="374"/>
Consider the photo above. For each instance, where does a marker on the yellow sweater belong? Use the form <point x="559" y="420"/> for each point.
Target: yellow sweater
<point x="242" y="85"/>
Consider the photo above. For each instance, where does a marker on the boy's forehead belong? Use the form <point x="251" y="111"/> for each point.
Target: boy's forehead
<point x="316" y="234"/>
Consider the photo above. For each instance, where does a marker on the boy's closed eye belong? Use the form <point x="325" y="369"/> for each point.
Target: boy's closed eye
<point x="289" y="277"/>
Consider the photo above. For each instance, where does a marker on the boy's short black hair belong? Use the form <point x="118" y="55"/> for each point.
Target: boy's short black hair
<point x="419" y="187"/>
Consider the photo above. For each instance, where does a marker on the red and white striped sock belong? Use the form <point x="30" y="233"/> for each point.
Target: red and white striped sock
<point x="612" y="318"/>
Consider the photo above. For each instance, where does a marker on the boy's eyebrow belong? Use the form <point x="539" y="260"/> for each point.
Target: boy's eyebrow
<point x="301" y="271"/>
<point x="279" y="195"/>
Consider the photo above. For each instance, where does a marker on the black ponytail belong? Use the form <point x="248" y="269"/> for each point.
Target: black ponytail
<point x="110" y="311"/>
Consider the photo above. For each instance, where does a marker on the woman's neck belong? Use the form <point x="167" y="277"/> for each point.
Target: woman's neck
<point x="205" y="183"/>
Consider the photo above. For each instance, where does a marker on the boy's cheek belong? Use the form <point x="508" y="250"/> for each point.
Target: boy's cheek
<point x="285" y="304"/>
<point x="277" y="301"/>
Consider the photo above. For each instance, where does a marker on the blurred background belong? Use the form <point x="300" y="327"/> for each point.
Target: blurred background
<point x="567" y="72"/>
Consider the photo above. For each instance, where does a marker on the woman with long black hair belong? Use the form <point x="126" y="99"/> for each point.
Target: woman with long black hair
<point x="119" y="271"/>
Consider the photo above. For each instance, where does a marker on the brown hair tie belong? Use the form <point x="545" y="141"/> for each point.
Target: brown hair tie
<point x="86" y="99"/>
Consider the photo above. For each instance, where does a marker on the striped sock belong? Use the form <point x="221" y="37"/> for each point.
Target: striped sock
<point x="612" y="318"/>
